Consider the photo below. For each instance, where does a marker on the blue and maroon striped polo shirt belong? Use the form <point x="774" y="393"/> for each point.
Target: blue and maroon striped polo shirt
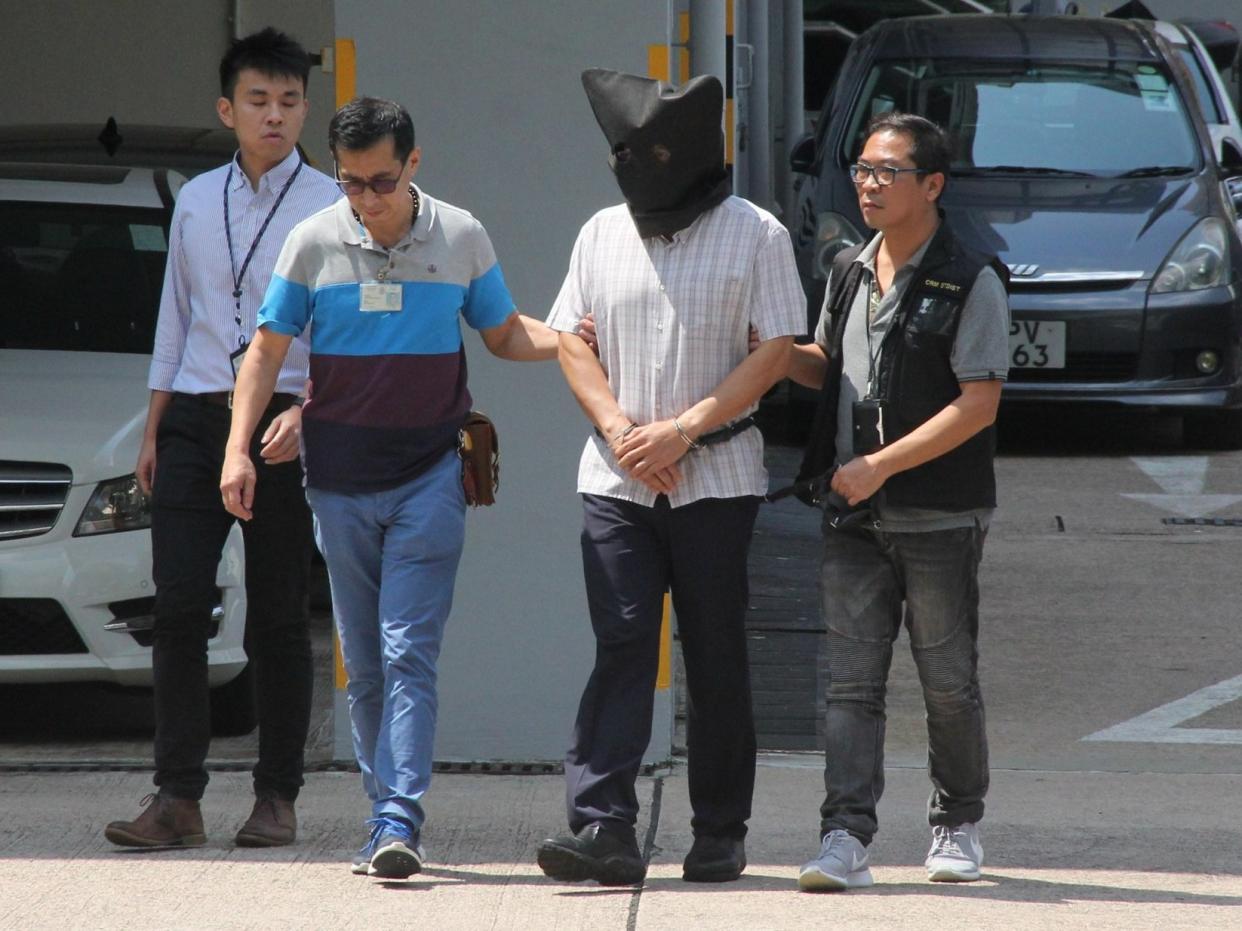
<point x="388" y="388"/>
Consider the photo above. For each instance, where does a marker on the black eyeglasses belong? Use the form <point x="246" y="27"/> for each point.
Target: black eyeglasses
<point x="884" y="174"/>
<point x="378" y="185"/>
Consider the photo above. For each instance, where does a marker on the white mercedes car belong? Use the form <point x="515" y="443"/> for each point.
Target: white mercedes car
<point x="82" y="253"/>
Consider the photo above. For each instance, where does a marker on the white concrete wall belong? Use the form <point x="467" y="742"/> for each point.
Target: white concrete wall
<point x="143" y="61"/>
<point x="506" y="132"/>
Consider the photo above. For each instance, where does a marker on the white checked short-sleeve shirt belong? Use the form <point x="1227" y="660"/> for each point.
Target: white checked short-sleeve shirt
<point x="672" y="318"/>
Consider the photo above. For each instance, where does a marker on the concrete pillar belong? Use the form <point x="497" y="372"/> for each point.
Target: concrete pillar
<point x="759" y="105"/>
<point x="707" y="38"/>
<point x="793" y="108"/>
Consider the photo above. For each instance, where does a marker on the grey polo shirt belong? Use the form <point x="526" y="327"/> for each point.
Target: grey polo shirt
<point x="980" y="352"/>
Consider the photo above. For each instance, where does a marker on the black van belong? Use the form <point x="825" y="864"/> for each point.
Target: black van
<point x="1081" y="159"/>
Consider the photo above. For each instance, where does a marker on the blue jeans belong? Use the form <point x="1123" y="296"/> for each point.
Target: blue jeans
<point x="392" y="559"/>
<point x="865" y="578"/>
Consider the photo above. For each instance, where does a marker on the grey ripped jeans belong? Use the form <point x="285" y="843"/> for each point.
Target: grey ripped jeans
<point x="866" y="578"/>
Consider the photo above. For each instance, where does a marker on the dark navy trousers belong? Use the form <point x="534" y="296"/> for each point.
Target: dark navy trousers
<point x="632" y="554"/>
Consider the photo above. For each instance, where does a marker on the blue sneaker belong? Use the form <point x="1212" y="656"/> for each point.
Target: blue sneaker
<point x="395" y="850"/>
<point x="362" y="859"/>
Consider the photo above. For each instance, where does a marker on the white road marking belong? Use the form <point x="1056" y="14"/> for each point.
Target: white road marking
<point x="1182" y="479"/>
<point x="1160" y="725"/>
<point x="1176" y="475"/>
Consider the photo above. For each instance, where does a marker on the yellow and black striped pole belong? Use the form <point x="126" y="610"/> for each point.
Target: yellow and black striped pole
<point x="346" y="78"/>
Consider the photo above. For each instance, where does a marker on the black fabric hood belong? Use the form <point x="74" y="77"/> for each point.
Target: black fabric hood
<point x="667" y="146"/>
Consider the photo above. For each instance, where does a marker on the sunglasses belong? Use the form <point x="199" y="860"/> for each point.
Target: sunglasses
<point x="353" y="188"/>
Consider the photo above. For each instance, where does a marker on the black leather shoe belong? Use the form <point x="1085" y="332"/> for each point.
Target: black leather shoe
<point x="606" y="854"/>
<point x="714" y="860"/>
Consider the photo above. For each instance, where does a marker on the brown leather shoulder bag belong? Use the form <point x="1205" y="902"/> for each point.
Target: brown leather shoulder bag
<point x="479" y="449"/>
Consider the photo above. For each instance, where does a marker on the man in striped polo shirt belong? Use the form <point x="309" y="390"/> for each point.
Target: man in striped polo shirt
<point x="385" y="274"/>
<point x="226" y="232"/>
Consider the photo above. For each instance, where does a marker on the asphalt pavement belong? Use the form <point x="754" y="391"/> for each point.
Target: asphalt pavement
<point x="1113" y="680"/>
<point x="1065" y="850"/>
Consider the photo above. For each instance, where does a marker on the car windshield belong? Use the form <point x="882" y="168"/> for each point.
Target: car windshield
<point x="1056" y="117"/>
<point x="80" y="278"/>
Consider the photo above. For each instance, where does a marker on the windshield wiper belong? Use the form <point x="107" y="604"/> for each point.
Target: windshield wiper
<point x="1022" y="170"/>
<point x="1156" y="171"/>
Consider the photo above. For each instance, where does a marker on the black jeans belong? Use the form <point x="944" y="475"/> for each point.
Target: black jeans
<point x="188" y="528"/>
<point x="865" y="580"/>
<point x="631" y="555"/>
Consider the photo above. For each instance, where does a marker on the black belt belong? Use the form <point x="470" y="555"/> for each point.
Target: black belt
<point x="726" y="433"/>
<point x="716" y="436"/>
<point x="280" y="400"/>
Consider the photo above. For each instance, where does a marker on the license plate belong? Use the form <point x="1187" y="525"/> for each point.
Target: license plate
<point x="1037" y="344"/>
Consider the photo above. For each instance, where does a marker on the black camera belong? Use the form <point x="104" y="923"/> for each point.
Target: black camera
<point x="869" y="423"/>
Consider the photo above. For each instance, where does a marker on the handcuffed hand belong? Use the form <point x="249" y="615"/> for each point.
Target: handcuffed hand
<point x="650" y="449"/>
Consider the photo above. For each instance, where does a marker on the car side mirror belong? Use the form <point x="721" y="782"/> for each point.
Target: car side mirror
<point x="1230" y="160"/>
<point x="802" y="158"/>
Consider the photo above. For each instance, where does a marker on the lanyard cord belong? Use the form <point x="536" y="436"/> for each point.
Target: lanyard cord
<point x="236" y="275"/>
<point x="873" y="355"/>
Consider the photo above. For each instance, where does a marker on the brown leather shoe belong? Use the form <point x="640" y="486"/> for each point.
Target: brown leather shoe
<point x="272" y="822"/>
<point x="166" y="822"/>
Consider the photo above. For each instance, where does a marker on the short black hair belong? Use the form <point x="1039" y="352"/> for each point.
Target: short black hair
<point x="267" y="51"/>
<point x="929" y="144"/>
<point x="364" y="121"/>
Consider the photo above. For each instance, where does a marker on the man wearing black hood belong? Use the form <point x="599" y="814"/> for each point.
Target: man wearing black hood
<point x="672" y="478"/>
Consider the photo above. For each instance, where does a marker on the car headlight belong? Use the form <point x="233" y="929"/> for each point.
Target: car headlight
<point x="117" y="504"/>
<point x="1201" y="260"/>
<point x="832" y="234"/>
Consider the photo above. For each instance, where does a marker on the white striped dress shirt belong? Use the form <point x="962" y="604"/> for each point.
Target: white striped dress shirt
<point x="672" y="319"/>
<point x="197" y="330"/>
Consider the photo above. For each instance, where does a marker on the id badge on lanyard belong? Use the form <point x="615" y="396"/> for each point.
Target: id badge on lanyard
<point x="236" y="357"/>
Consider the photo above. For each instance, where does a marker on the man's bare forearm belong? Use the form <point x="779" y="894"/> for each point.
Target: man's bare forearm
<point x="522" y="339"/>
<point x="808" y="365"/>
<point x="973" y="410"/>
<point x="589" y="385"/>
<point x="156" y="408"/>
<point x="948" y="429"/>
<point x="741" y="388"/>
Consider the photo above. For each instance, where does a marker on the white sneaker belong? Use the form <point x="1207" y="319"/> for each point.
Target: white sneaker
<point x="841" y="864"/>
<point x="956" y="854"/>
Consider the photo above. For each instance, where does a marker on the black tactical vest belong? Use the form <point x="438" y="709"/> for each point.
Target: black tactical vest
<point x="915" y="376"/>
